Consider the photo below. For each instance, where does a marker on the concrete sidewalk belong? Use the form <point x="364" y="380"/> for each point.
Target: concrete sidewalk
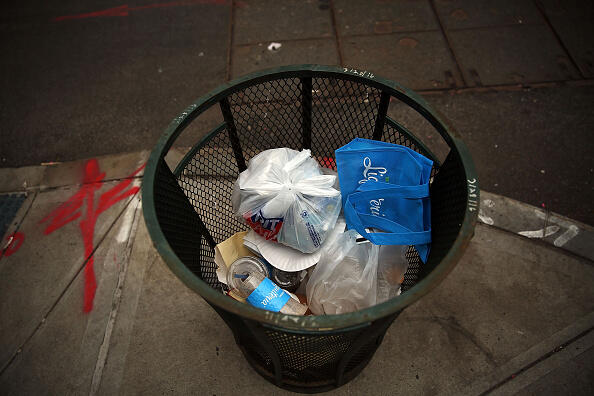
<point x="515" y="316"/>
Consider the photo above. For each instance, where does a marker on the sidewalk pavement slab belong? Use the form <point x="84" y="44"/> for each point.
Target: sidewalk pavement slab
<point x="572" y="20"/>
<point x="572" y="376"/>
<point x="34" y="277"/>
<point x="20" y="179"/>
<point x="463" y="14"/>
<point x="266" y="21"/>
<point x="511" y="55"/>
<point x="141" y="260"/>
<point x="566" y="370"/>
<point x="115" y="167"/>
<point x="418" y="60"/>
<point x="172" y="333"/>
<point x="363" y="18"/>
<point x="506" y="295"/>
<point x="503" y="297"/>
<point x="531" y="366"/>
<point x="61" y="356"/>
<point x="537" y="223"/>
<point x="250" y="58"/>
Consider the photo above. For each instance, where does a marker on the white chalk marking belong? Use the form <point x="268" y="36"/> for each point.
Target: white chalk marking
<point x="124" y="231"/>
<point x="115" y="302"/>
<point x="571" y="232"/>
<point x="488" y="203"/>
<point x="484" y="218"/>
<point x="550" y="230"/>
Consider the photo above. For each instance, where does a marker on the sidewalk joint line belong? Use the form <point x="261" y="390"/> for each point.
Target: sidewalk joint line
<point x="491" y="27"/>
<point x="448" y="42"/>
<point x="52" y="188"/>
<point x="292" y="40"/>
<point x="539" y="241"/>
<point x="355" y="35"/>
<point x="561" y="43"/>
<point x="336" y="35"/>
<point x="540" y="359"/>
<point x="230" y="45"/>
<point x="115" y="302"/>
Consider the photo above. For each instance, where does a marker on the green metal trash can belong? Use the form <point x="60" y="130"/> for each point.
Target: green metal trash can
<point x="187" y="205"/>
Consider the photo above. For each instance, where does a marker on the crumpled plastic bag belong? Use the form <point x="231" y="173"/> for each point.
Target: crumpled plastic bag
<point x="345" y="279"/>
<point x="391" y="269"/>
<point x="284" y="196"/>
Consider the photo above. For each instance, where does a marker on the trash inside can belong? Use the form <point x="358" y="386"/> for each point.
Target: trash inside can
<point x="189" y="183"/>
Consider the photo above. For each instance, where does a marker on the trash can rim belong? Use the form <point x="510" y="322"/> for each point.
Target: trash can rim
<point x="327" y="323"/>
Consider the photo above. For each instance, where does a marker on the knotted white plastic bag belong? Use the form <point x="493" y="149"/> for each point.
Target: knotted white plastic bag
<point x="284" y="196"/>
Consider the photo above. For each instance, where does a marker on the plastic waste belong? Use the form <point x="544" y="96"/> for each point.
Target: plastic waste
<point x="288" y="281"/>
<point x="391" y="268"/>
<point x="284" y="196"/>
<point x="249" y="282"/>
<point x="345" y="279"/>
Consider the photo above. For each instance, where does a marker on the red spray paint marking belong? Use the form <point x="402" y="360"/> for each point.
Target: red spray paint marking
<point x="71" y="210"/>
<point x="14" y="243"/>
<point x="125" y="9"/>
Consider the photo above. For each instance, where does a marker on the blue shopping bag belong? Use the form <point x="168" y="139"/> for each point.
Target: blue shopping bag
<point x="385" y="187"/>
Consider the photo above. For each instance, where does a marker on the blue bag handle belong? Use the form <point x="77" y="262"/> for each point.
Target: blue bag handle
<point x="396" y="234"/>
<point x="412" y="192"/>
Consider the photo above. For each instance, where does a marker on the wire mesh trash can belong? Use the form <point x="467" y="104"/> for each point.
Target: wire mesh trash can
<point x="187" y="204"/>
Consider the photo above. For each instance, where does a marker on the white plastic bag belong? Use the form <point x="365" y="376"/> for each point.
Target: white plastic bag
<point x="392" y="266"/>
<point x="345" y="279"/>
<point x="284" y="197"/>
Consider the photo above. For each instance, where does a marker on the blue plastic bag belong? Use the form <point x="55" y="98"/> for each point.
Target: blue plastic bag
<point x="385" y="187"/>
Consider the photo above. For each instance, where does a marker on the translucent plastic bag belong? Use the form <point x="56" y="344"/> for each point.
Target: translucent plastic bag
<point x="284" y="196"/>
<point x="345" y="279"/>
<point x="392" y="266"/>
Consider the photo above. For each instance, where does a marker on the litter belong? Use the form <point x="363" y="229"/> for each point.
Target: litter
<point x="299" y="243"/>
<point x="285" y="198"/>
<point x="248" y="279"/>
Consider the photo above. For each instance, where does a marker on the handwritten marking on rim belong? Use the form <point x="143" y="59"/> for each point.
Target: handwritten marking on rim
<point x="362" y="73"/>
<point x="472" y="195"/>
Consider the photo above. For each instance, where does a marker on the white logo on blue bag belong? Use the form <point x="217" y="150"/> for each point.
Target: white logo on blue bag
<point x="371" y="173"/>
<point x="374" y="207"/>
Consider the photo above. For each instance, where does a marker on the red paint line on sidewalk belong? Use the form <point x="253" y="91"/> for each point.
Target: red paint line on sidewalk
<point x="71" y="210"/>
<point x="124" y="10"/>
<point x="116" y="11"/>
